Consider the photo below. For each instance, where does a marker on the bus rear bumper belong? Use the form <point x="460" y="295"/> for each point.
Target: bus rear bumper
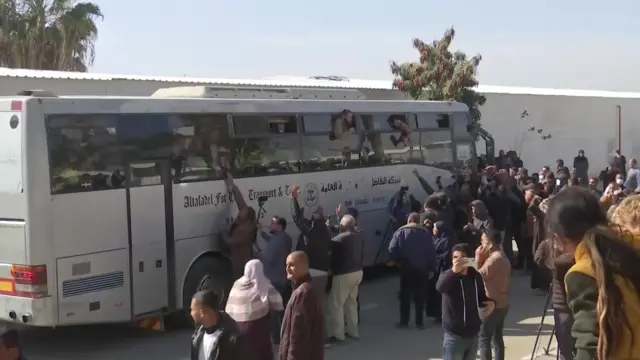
<point x="25" y="311"/>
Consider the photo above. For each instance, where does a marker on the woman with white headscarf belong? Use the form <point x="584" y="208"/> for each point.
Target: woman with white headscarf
<point x="251" y="301"/>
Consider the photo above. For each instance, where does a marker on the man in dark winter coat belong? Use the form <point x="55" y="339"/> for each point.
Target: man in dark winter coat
<point x="217" y="337"/>
<point x="412" y="247"/>
<point x="315" y="238"/>
<point x="581" y="166"/>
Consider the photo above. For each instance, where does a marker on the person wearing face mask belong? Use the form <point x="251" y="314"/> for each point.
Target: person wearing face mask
<point x="615" y="187"/>
<point x="581" y="166"/>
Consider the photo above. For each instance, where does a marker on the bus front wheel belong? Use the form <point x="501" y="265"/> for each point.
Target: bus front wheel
<point x="210" y="273"/>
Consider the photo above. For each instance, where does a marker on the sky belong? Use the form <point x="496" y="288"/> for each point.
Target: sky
<point x="576" y="44"/>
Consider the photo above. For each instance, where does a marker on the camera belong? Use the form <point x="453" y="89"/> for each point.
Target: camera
<point x="262" y="199"/>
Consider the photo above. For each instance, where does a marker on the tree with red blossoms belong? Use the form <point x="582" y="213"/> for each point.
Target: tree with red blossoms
<point x="440" y="74"/>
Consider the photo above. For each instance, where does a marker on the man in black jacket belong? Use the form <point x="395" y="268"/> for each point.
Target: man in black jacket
<point x="217" y="337"/>
<point x="315" y="235"/>
<point x="463" y="297"/>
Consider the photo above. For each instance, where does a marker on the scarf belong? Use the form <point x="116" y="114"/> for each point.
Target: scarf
<point x="252" y="296"/>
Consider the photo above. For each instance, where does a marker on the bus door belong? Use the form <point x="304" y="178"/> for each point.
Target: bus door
<point x="150" y="214"/>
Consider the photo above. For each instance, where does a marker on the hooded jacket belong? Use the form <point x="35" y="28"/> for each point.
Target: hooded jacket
<point x="582" y="296"/>
<point x="498" y="206"/>
<point x="462" y="297"/>
<point x="443" y="244"/>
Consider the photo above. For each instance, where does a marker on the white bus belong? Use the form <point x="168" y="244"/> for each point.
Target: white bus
<point x="110" y="207"/>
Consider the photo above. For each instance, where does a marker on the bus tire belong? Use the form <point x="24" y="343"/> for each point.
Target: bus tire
<point x="219" y="280"/>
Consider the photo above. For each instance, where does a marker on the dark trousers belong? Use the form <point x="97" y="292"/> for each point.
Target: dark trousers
<point x="563" y="323"/>
<point x="413" y="282"/>
<point x="434" y="299"/>
<point x="285" y="291"/>
<point x="540" y="277"/>
<point x="525" y="253"/>
<point x="492" y="335"/>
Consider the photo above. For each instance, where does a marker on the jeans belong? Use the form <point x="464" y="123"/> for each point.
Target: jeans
<point x="563" y="322"/>
<point x="456" y="347"/>
<point x="276" y="316"/>
<point x="491" y="333"/>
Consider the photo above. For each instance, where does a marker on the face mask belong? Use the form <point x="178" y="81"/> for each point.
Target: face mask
<point x="619" y="181"/>
<point x="558" y="182"/>
<point x="540" y="177"/>
<point x="484" y="179"/>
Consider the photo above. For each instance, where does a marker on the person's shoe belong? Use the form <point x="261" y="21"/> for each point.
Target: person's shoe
<point x="357" y="337"/>
<point x="402" y="326"/>
<point x="420" y="326"/>
<point x="334" y="340"/>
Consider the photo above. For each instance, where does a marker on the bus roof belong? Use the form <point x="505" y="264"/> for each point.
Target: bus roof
<point x="291" y="81"/>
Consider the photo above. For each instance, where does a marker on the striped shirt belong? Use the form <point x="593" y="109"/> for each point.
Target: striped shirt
<point x="244" y="305"/>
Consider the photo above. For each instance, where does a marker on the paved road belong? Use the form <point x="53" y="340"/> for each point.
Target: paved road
<point x="380" y="340"/>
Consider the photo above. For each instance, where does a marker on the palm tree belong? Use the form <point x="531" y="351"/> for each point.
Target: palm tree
<point x="48" y="34"/>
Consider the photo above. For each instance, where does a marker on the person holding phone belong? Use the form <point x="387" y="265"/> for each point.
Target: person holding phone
<point x="464" y="305"/>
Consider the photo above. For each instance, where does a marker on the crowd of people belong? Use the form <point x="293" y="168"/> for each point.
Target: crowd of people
<point x="576" y="237"/>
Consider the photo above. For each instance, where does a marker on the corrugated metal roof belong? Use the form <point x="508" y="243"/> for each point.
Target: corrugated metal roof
<point x="293" y="81"/>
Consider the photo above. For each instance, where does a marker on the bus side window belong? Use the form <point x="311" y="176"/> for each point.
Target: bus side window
<point x="203" y="150"/>
<point x="389" y="140"/>
<point x="265" y="145"/>
<point x="267" y="155"/>
<point x="84" y="153"/>
<point x="437" y="148"/>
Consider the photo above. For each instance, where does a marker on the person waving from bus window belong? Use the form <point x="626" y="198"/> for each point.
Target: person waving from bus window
<point x="241" y="236"/>
<point x="209" y="146"/>
<point x="315" y="236"/>
<point x="343" y="128"/>
<point x="400" y="123"/>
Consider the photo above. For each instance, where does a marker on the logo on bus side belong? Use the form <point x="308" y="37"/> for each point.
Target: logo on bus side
<point x="207" y="200"/>
<point x="311" y="194"/>
<point x="383" y="180"/>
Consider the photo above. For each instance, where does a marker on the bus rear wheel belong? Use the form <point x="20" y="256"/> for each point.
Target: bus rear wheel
<point x="215" y="274"/>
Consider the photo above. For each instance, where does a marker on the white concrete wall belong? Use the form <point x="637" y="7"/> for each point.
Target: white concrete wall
<point x="574" y="123"/>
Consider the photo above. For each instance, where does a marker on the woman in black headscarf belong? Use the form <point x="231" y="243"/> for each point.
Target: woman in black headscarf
<point x="443" y="241"/>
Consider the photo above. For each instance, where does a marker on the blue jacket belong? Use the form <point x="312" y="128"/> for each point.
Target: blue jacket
<point x="412" y="245"/>
<point x="399" y="211"/>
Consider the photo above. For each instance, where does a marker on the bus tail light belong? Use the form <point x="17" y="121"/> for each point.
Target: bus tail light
<point x="26" y="281"/>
